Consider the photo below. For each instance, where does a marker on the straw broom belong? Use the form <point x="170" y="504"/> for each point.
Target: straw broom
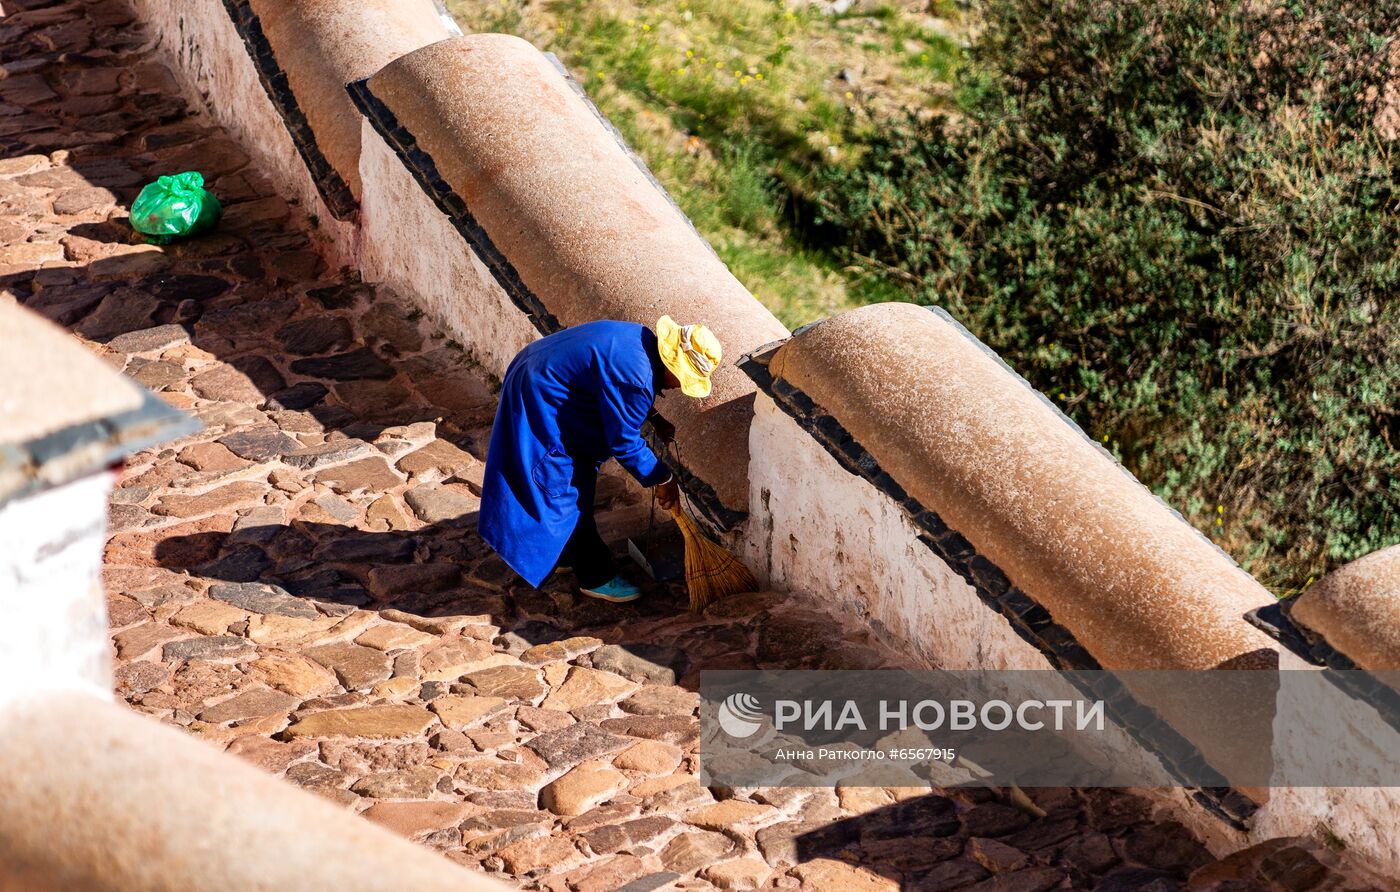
<point x="711" y="571"/>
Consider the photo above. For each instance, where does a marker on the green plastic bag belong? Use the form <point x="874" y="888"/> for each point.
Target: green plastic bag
<point x="175" y="207"/>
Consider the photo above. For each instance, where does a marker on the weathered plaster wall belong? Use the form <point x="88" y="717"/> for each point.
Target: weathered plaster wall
<point x="213" y="65"/>
<point x="55" y="629"/>
<point x="412" y="246"/>
<point x="1350" y="613"/>
<point x="957" y="433"/>
<point x="1366" y="819"/>
<point x="814" y="527"/>
<point x="321" y="45"/>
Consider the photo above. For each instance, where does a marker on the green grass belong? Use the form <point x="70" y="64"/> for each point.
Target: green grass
<point x="1186" y="241"/>
<point x="736" y="105"/>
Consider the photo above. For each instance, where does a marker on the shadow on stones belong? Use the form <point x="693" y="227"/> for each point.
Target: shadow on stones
<point x="1100" y="840"/>
<point x="304" y="351"/>
<point x="348" y="359"/>
<point x="447" y="570"/>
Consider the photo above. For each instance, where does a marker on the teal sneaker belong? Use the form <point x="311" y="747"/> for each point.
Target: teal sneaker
<point x="616" y="590"/>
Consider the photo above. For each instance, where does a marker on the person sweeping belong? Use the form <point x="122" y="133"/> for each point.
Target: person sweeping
<point x="569" y="402"/>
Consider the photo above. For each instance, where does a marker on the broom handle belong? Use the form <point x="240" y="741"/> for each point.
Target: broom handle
<point x="683" y="497"/>
<point x="651" y="515"/>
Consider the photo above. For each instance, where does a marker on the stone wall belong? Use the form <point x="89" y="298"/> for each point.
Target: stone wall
<point x="972" y="524"/>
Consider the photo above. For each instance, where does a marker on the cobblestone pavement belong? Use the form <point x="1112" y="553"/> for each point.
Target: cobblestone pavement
<point x="301" y="583"/>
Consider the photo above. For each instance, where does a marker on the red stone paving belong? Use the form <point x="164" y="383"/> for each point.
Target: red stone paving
<point x="301" y="583"/>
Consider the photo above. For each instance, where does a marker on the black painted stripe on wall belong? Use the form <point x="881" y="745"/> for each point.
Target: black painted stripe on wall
<point x="334" y="191"/>
<point x="64" y="455"/>
<point x="1276" y="621"/>
<point x="1028" y="618"/>
<point x="425" y="171"/>
<point x="1031" y="621"/>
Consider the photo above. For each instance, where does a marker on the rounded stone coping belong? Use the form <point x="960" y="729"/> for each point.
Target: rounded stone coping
<point x="51" y="381"/>
<point x="322" y="45"/>
<point x="1356" y="609"/>
<point x="98" y="798"/>
<point x="972" y="441"/>
<point x="590" y="235"/>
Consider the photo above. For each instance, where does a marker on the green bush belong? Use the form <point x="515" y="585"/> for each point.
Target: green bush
<point x="1178" y="218"/>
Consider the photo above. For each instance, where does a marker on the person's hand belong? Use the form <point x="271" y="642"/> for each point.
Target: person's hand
<point x="664" y="429"/>
<point x="668" y="494"/>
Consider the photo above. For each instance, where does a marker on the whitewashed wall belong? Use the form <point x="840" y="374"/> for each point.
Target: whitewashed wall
<point x="818" y="529"/>
<point x="815" y="527"/>
<point x="408" y="244"/>
<point x="54" y="635"/>
<point x="212" y="64"/>
<point x="1367" y="819"/>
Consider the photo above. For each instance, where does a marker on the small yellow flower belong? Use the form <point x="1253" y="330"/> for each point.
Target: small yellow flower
<point x="850" y="95"/>
<point x="738" y="73"/>
<point x="646" y="27"/>
<point x="690" y="54"/>
<point x="758" y="77"/>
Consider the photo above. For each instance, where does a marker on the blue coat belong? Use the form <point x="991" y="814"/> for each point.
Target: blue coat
<point x="569" y="402"/>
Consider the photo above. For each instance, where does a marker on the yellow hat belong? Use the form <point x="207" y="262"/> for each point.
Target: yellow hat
<point x="691" y="352"/>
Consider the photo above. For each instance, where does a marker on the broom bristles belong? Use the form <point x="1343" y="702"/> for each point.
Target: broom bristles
<point x="711" y="571"/>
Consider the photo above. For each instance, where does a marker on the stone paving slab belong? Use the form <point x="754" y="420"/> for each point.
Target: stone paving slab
<point x="301" y="583"/>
